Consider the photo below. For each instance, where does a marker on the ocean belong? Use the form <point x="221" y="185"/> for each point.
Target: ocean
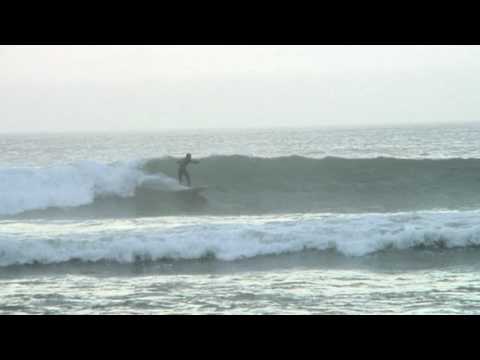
<point x="367" y="220"/>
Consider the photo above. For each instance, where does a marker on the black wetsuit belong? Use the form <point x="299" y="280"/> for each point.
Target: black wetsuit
<point x="182" y="170"/>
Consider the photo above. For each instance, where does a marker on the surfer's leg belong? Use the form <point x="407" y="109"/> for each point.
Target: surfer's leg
<point x="180" y="175"/>
<point x="188" y="178"/>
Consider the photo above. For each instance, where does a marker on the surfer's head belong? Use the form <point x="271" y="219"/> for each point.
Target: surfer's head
<point x="189" y="156"/>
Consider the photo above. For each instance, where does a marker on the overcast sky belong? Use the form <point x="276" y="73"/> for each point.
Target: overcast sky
<point x="88" y="88"/>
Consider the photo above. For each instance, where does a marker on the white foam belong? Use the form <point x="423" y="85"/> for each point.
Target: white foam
<point x="231" y="239"/>
<point x="23" y="189"/>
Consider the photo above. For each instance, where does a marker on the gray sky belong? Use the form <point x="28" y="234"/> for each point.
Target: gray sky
<point x="88" y="88"/>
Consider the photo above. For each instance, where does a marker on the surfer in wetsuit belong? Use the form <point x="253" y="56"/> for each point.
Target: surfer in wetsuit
<point x="182" y="169"/>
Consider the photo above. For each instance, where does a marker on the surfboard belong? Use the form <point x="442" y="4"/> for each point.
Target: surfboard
<point x="194" y="190"/>
<point x="193" y="195"/>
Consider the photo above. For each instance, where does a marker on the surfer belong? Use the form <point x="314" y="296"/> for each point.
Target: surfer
<point x="182" y="169"/>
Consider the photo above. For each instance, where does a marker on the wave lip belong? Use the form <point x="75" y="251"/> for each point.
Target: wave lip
<point x="235" y="239"/>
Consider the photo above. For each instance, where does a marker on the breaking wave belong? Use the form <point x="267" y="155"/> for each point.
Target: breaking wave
<point x="242" y="185"/>
<point x="234" y="238"/>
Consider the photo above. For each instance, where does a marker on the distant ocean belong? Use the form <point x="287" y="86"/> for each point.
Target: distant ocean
<point x="293" y="221"/>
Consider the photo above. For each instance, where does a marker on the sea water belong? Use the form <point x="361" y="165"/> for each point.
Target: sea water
<point x="293" y="221"/>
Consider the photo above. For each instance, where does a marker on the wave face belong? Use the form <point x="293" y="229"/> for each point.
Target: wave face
<point x="235" y="238"/>
<point x="297" y="184"/>
<point x="241" y="185"/>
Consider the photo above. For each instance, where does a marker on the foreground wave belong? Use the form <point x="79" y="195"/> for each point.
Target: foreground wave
<point x="242" y="185"/>
<point x="235" y="238"/>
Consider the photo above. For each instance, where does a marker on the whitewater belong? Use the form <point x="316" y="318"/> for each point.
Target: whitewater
<point x="376" y="220"/>
<point x="230" y="239"/>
